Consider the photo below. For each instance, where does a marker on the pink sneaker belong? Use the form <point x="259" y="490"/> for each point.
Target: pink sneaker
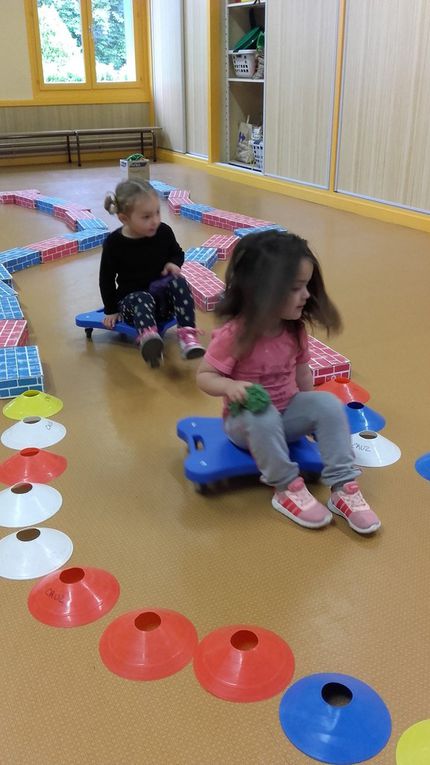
<point x="297" y="503"/>
<point x="351" y="505"/>
<point x="151" y="346"/>
<point x="189" y="344"/>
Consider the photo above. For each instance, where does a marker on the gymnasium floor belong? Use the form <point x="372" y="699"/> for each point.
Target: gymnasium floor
<point x="344" y="603"/>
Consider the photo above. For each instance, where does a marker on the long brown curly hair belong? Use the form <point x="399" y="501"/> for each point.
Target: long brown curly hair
<point x="262" y="270"/>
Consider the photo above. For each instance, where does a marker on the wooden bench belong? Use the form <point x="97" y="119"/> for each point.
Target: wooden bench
<point x="79" y="141"/>
<point x="95" y="139"/>
<point x="41" y="142"/>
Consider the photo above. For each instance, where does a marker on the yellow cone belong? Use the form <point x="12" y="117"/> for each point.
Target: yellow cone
<point x="31" y="403"/>
<point x="413" y="747"/>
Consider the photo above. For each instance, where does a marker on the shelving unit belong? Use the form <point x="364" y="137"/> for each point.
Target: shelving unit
<point x="244" y="96"/>
<point x="244" y="79"/>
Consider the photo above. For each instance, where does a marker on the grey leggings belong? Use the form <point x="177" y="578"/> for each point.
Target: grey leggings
<point x="266" y="435"/>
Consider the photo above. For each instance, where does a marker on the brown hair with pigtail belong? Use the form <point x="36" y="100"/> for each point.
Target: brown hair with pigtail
<point x="125" y="196"/>
<point x="261" y="272"/>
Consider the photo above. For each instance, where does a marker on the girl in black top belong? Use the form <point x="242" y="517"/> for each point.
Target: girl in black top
<point x="142" y="251"/>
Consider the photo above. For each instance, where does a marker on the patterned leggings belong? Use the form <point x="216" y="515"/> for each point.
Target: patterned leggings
<point x="140" y="309"/>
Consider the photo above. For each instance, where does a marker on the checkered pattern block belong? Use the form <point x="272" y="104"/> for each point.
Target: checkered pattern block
<point x="10" y="308"/>
<point x="87" y="221"/>
<point x="20" y="370"/>
<point x="13" y="332"/>
<point x="86" y="240"/>
<point x="26" y="198"/>
<point x="7" y="198"/>
<point x="5" y="275"/>
<point x="48" y="204"/>
<point x="176" y="198"/>
<point x="206" y="288"/>
<point x="68" y="213"/>
<point x="70" y="218"/>
<point x="55" y="248"/>
<point x="6" y="290"/>
<point x="325" y="363"/>
<point x="19" y="258"/>
<point x="230" y="220"/>
<point x="194" y="211"/>
<point x="224" y="245"/>
<point x="240" y="232"/>
<point x="163" y="189"/>
<point x="207" y="256"/>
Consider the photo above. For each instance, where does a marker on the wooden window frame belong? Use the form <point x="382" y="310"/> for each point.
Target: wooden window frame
<point x="91" y="91"/>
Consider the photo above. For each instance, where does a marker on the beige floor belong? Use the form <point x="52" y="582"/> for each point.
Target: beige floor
<point x="344" y="603"/>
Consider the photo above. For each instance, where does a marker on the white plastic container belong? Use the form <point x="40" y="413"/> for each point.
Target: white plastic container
<point x="244" y="63"/>
<point x="258" y="150"/>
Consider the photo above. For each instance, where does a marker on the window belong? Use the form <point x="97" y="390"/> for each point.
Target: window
<point x="96" y="45"/>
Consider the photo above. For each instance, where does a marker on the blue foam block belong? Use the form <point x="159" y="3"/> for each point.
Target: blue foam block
<point x="240" y="232"/>
<point x="20" y="370"/>
<point x="163" y="189"/>
<point x="87" y="224"/>
<point x="10" y="308"/>
<point x="87" y="239"/>
<point x="194" y="211"/>
<point x="207" y="256"/>
<point x="19" y="258"/>
<point x="5" y="275"/>
<point x="6" y="290"/>
<point x="47" y="204"/>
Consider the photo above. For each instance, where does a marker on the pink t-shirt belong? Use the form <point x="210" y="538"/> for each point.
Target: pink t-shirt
<point x="271" y="362"/>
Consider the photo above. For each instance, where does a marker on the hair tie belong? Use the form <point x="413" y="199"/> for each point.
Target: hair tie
<point x="113" y="204"/>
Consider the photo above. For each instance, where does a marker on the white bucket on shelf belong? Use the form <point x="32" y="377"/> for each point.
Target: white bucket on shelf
<point x="244" y="63"/>
<point x="258" y="150"/>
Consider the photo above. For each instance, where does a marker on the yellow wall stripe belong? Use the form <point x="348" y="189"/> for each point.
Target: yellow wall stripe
<point x="337" y="93"/>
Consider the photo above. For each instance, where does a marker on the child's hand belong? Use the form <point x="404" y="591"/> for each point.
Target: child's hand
<point x="236" y="390"/>
<point x="171" y="268"/>
<point x="110" y="320"/>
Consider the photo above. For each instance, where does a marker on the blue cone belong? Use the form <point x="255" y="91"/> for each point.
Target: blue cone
<point x="422" y="466"/>
<point x="361" y="417"/>
<point x="335" y="719"/>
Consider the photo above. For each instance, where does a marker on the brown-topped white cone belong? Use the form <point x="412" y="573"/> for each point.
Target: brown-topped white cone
<point x="25" y="504"/>
<point x="33" y="552"/>
<point x="33" y="431"/>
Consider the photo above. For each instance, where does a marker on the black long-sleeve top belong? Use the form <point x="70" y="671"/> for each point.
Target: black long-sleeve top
<point x="128" y="265"/>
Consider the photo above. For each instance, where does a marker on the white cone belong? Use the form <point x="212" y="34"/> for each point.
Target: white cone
<point x="373" y="450"/>
<point x="33" y="431"/>
<point x="34" y="552"/>
<point x="26" y="504"/>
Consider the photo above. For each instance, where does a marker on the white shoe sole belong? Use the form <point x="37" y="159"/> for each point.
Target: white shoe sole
<point x="193" y="353"/>
<point x="307" y="524"/>
<point x="332" y="507"/>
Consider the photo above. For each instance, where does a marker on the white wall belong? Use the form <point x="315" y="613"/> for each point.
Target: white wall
<point x="15" y="78"/>
<point x="384" y="149"/>
<point x="168" y="72"/>
<point x="300" y="75"/>
<point x="196" y="76"/>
